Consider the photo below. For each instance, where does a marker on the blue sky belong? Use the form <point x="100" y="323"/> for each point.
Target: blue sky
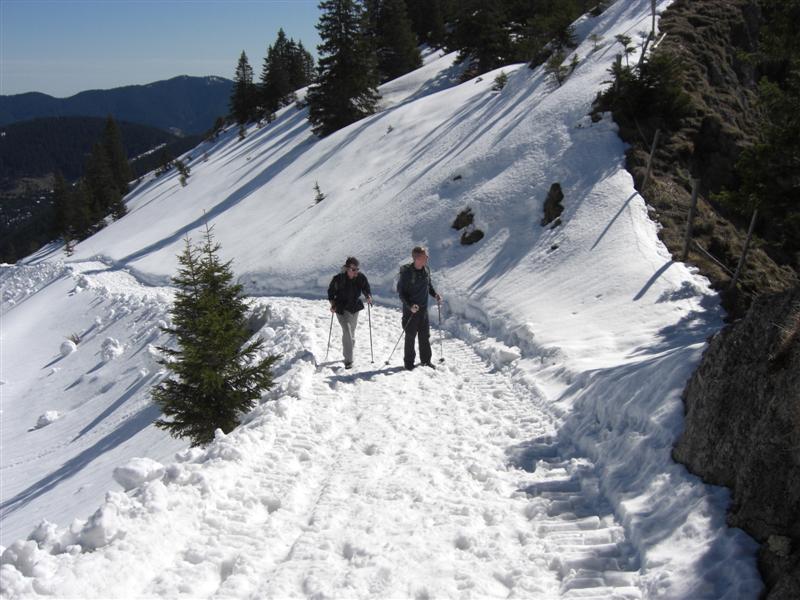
<point x="62" y="47"/>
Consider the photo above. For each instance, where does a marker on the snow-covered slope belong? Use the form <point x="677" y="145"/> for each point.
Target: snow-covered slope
<point x="535" y="462"/>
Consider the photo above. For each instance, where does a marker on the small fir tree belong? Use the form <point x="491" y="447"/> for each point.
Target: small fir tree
<point x="216" y="373"/>
<point x="318" y="195"/>
<point x="627" y="46"/>
<point x="500" y="81"/>
<point x="595" y="39"/>
<point x="216" y="129"/>
<point x="165" y="162"/>
<point x="556" y="69"/>
<point x="183" y="170"/>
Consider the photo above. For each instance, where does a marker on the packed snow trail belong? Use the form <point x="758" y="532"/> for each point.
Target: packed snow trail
<point x="371" y="482"/>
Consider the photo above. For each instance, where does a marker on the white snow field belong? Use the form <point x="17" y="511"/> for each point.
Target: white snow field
<point x="534" y="462"/>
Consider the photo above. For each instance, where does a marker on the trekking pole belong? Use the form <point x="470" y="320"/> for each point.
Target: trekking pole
<point x="398" y="339"/>
<point x="369" y="316"/>
<point x="329" y="338"/>
<point x="441" y="343"/>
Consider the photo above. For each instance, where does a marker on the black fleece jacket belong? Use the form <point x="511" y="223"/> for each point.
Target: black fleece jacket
<point x="344" y="292"/>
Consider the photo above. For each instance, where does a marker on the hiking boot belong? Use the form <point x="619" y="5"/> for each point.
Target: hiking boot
<point x="348" y="365"/>
<point x="429" y="365"/>
<point x="409" y="367"/>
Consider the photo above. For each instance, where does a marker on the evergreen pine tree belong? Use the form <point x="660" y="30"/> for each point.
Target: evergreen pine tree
<point x="105" y="196"/>
<point x="318" y="195"/>
<point x="216" y="374"/>
<point x="183" y="171"/>
<point x="244" y="97"/>
<point x="547" y="28"/>
<point x="345" y="90"/>
<point x="301" y="65"/>
<point x="78" y="210"/>
<point x="276" y="83"/>
<point x="395" y="41"/>
<point x="117" y="158"/>
<point x="481" y="35"/>
<point x="428" y="20"/>
<point x="165" y="162"/>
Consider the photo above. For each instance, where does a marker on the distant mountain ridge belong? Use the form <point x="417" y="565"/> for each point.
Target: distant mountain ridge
<point x="184" y="104"/>
<point x="43" y="146"/>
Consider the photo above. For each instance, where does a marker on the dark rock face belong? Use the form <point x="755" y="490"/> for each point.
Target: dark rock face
<point x="743" y="431"/>
<point x="470" y="237"/>
<point x="552" y="204"/>
<point x="463" y="219"/>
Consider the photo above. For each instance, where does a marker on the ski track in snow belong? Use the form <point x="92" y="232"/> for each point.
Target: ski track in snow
<point x="374" y="482"/>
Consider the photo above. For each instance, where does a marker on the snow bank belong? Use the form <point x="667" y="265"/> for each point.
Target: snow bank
<point x="137" y="472"/>
<point x="67" y="348"/>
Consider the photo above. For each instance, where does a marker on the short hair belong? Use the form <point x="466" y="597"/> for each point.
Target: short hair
<point x="419" y="251"/>
<point x="351" y="261"/>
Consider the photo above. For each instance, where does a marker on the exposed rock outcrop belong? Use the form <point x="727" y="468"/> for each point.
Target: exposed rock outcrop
<point x="552" y="205"/>
<point x="743" y="431"/>
<point x="709" y="39"/>
<point x="743" y="404"/>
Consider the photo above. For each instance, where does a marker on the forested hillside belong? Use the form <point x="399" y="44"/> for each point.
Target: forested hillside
<point x="44" y="146"/>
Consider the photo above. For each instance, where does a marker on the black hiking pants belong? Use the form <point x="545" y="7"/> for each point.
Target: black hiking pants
<point x="417" y="325"/>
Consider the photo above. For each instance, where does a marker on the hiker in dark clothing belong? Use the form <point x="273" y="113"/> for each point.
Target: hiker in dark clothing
<point x="414" y="286"/>
<point x="344" y="295"/>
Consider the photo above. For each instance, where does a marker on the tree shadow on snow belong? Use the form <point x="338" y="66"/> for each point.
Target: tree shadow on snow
<point x="128" y="429"/>
<point x="237" y="196"/>
<point x="127" y="395"/>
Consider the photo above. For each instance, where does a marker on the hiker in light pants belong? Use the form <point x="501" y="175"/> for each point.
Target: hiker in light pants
<point x="344" y="294"/>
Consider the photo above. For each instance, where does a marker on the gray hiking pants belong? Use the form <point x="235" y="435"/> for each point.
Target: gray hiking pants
<point x="348" y="321"/>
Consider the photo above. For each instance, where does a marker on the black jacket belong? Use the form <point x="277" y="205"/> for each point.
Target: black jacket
<point x="414" y="286"/>
<point x="344" y="292"/>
